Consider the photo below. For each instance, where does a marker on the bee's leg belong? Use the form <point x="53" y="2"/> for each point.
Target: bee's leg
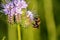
<point x="35" y="26"/>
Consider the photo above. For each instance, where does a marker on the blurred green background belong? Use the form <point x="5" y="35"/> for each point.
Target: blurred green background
<point x="49" y="12"/>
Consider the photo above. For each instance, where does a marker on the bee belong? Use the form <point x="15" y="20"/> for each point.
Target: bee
<point x="36" y="22"/>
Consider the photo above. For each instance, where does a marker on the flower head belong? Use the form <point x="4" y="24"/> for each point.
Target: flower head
<point x="18" y="10"/>
<point x="21" y="3"/>
<point x="15" y="7"/>
<point x="30" y="14"/>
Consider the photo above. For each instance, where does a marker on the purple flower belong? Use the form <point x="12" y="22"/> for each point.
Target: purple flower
<point x="14" y="7"/>
<point x="30" y="14"/>
<point x="15" y="2"/>
<point x="21" y="3"/>
<point x="7" y="11"/>
<point x="18" y="10"/>
<point x="8" y="7"/>
<point x="11" y="5"/>
<point x="12" y="12"/>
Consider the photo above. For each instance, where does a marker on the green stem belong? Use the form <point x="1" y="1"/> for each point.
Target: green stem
<point x="19" y="31"/>
<point x="50" y="19"/>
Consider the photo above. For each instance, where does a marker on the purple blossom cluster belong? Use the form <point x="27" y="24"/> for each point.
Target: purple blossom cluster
<point x="15" y="7"/>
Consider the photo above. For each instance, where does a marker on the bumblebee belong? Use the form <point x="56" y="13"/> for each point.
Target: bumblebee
<point x="36" y="22"/>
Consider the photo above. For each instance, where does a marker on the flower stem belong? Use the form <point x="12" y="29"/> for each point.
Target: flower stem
<point x="19" y="32"/>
